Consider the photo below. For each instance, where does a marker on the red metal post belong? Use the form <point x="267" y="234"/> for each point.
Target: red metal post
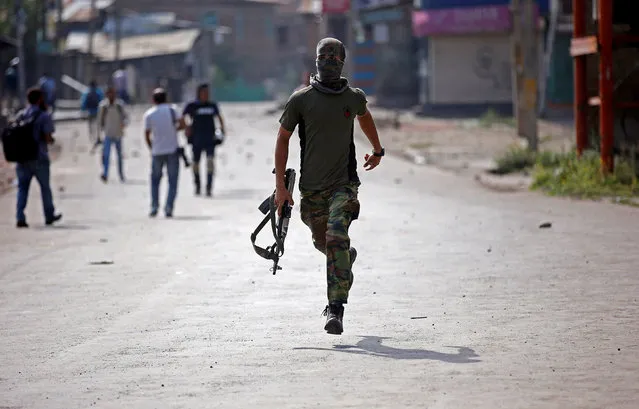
<point x="606" y="112"/>
<point x="581" y="88"/>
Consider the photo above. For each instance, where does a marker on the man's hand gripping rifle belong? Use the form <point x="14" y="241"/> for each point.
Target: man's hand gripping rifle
<point x="279" y="225"/>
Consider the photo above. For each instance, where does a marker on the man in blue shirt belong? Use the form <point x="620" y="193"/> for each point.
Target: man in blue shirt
<point x="90" y="102"/>
<point x="47" y="85"/>
<point x="201" y="135"/>
<point x="39" y="168"/>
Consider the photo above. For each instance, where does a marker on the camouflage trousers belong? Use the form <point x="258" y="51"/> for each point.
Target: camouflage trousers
<point x="329" y="214"/>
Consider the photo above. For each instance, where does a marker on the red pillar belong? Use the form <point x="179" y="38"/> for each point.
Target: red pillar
<point x="581" y="88"/>
<point x="606" y="113"/>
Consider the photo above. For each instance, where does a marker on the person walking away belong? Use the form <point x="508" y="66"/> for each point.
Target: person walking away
<point x="40" y="168"/>
<point x="325" y="112"/>
<point x="161" y="137"/>
<point x="202" y="135"/>
<point x="90" y="103"/>
<point x="47" y="84"/>
<point x="112" y="119"/>
<point x="121" y="83"/>
<point x="11" y="84"/>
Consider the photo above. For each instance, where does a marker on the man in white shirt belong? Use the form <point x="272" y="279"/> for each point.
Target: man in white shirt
<point x="162" y="138"/>
<point x="112" y="118"/>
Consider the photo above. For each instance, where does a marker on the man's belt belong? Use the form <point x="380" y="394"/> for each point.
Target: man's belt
<point x="279" y="225"/>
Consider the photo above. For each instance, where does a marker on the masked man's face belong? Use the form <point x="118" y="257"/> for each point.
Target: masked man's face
<point x="330" y="60"/>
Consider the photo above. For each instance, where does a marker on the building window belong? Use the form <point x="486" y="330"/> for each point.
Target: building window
<point x="282" y="35"/>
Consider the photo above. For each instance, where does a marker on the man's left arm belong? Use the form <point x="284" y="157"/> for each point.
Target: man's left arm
<point x="367" y="123"/>
<point x="48" y="128"/>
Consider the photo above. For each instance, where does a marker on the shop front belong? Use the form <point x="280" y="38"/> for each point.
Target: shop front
<point x="385" y="52"/>
<point x="466" y="58"/>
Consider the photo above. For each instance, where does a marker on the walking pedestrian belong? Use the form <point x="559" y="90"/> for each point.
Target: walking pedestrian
<point x="325" y="112"/>
<point x="48" y="86"/>
<point x="202" y="135"/>
<point x="112" y="119"/>
<point x="90" y="103"/>
<point x="162" y="139"/>
<point x="40" y="168"/>
<point x="121" y="84"/>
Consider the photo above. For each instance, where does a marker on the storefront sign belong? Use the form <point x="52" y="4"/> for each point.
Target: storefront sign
<point x="336" y="6"/>
<point x="467" y="20"/>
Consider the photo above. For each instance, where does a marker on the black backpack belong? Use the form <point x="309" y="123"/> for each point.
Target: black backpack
<point x="18" y="140"/>
<point x="93" y="100"/>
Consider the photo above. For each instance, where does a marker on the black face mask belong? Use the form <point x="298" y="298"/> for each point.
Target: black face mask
<point x="329" y="70"/>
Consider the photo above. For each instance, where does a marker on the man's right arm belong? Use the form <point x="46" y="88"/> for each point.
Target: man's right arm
<point x="281" y="156"/>
<point x="289" y="120"/>
<point x="48" y="128"/>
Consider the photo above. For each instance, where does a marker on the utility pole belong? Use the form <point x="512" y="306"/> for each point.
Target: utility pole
<point x="118" y="31"/>
<point x="526" y="66"/>
<point x="58" y="36"/>
<point x="90" y="72"/>
<point x="21" y="29"/>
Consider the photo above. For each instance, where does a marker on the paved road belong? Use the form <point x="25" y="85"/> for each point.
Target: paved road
<point x="507" y="315"/>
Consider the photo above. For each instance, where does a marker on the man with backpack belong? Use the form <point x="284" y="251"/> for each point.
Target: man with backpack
<point x="112" y="119"/>
<point x="25" y="143"/>
<point x="161" y="124"/>
<point x="90" y="104"/>
<point x="47" y="85"/>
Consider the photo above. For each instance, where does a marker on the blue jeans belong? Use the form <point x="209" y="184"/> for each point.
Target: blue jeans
<point x="172" y="163"/>
<point x="106" y="154"/>
<point x="40" y="169"/>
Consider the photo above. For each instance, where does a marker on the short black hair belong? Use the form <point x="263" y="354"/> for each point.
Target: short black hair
<point x="93" y="83"/>
<point x="34" y="95"/>
<point x="159" y="96"/>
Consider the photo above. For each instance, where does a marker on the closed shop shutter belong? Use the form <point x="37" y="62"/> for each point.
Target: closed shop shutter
<point x="470" y="69"/>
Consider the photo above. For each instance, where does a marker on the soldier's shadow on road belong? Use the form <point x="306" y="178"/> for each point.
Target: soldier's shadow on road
<point x="372" y="346"/>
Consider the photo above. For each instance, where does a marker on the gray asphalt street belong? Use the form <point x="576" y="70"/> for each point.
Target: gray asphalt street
<point x="460" y="299"/>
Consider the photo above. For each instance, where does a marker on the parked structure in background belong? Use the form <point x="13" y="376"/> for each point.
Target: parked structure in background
<point x="298" y="25"/>
<point x="147" y="59"/>
<point x="385" y="60"/>
<point x="466" y="54"/>
<point x="605" y="46"/>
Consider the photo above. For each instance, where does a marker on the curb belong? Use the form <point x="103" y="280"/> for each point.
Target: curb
<point x="504" y="184"/>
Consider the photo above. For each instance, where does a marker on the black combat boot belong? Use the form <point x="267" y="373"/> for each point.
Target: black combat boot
<point x="334" y="315"/>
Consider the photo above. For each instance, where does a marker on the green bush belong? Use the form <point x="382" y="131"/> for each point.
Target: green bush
<point x="515" y="159"/>
<point x="567" y="175"/>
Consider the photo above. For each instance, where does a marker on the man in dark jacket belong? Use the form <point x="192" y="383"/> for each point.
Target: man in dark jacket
<point x="202" y="135"/>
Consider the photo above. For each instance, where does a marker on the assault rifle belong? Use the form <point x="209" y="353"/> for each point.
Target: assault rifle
<point x="279" y="225"/>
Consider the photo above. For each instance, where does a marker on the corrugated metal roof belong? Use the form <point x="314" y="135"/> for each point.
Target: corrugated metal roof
<point x="140" y="46"/>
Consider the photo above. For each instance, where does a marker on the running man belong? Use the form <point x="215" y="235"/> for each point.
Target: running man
<point x="325" y="112"/>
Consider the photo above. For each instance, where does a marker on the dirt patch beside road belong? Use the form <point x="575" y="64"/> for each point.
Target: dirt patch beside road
<point x="466" y="146"/>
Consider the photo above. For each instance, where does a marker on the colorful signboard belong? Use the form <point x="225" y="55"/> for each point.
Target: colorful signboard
<point x="336" y="6"/>
<point x="467" y="20"/>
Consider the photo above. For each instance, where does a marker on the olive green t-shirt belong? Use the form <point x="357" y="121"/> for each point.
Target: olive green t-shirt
<point x="326" y="124"/>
